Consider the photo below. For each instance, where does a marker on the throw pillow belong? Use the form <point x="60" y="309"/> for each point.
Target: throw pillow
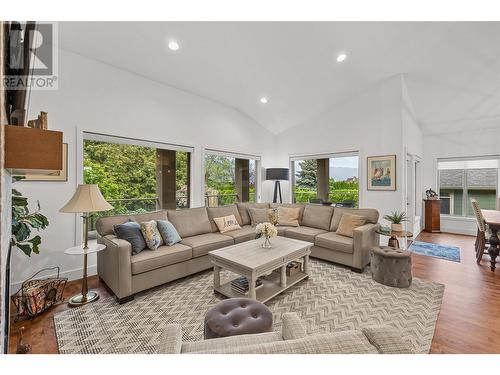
<point x="259" y="215"/>
<point x="288" y="216"/>
<point x="131" y="232"/>
<point x="226" y="223"/>
<point x="151" y="234"/>
<point x="348" y="223"/>
<point x="168" y="232"/>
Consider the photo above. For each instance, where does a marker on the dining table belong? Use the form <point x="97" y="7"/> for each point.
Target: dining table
<point x="492" y="218"/>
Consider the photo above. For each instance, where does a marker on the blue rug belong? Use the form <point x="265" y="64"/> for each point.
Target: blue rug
<point x="435" y="250"/>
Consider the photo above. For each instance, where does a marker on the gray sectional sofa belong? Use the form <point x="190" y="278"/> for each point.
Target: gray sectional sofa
<point x="127" y="274"/>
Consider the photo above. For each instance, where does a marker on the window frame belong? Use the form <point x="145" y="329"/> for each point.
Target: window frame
<point x="466" y="188"/>
<point x="292" y="158"/>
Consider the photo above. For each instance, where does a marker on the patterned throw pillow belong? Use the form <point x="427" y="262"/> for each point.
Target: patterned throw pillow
<point x="131" y="232"/>
<point x="151" y="234"/>
<point x="288" y="216"/>
<point x="226" y="223"/>
<point x="348" y="223"/>
<point x="168" y="232"/>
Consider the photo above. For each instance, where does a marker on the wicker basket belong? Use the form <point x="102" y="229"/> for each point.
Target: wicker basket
<point x="37" y="295"/>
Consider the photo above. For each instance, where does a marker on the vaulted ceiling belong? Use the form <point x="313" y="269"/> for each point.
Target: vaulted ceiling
<point x="452" y="70"/>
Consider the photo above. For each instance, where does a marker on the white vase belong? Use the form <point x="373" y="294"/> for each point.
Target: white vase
<point x="397" y="227"/>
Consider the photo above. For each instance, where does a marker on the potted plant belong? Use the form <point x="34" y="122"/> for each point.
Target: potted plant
<point x="396" y="218"/>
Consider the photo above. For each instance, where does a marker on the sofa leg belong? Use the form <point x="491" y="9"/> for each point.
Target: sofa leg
<point x="357" y="270"/>
<point x="123" y="300"/>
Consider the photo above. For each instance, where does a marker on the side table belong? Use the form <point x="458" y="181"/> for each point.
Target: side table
<point x="85" y="296"/>
<point x="393" y="240"/>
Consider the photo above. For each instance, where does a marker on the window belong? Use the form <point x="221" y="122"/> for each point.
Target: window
<point x="136" y="176"/>
<point x="333" y="178"/>
<point x="460" y="180"/>
<point x="229" y="178"/>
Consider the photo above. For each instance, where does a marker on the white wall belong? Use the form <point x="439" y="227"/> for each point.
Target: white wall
<point x="458" y="144"/>
<point x="369" y="123"/>
<point x="97" y="97"/>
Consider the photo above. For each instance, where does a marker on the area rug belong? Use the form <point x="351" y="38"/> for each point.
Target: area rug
<point x="434" y="250"/>
<point x="333" y="299"/>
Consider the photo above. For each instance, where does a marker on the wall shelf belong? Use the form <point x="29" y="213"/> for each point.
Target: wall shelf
<point x="33" y="151"/>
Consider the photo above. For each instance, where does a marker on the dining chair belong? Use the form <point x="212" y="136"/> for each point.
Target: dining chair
<point x="481" y="238"/>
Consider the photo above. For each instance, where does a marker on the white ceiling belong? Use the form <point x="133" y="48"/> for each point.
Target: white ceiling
<point x="452" y="69"/>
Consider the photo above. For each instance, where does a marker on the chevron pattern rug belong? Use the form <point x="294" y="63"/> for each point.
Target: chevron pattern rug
<point x="333" y="298"/>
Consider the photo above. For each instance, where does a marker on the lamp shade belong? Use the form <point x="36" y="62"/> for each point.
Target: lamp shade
<point x="87" y="198"/>
<point x="277" y="174"/>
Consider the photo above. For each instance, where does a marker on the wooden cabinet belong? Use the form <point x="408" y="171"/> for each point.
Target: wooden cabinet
<point x="432" y="215"/>
<point x="32" y="151"/>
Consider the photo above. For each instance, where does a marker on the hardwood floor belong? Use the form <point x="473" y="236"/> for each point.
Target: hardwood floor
<point x="469" y="321"/>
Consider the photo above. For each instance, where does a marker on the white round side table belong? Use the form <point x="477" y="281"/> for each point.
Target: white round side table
<point x="85" y="296"/>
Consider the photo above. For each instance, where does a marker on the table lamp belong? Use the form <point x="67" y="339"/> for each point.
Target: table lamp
<point x="277" y="174"/>
<point x="86" y="200"/>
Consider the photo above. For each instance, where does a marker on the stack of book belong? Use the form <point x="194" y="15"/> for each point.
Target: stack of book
<point x="240" y="284"/>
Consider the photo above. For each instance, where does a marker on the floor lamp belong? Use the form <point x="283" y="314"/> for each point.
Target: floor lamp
<point x="277" y="175"/>
<point x="86" y="200"/>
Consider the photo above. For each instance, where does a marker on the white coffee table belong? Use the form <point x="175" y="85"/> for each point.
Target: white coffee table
<point x="249" y="259"/>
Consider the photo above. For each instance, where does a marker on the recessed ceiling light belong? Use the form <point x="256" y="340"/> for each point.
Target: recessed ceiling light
<point x="341" y="57"/>
<point x="173" y="45"/>
<point x="263" y="100"/>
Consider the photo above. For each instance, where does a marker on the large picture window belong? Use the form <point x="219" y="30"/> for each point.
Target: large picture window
<point x="229" y="178"/>
<point x="463" y="179"/>
<point x="136" y="176"/>
<point x="332" y="178"/>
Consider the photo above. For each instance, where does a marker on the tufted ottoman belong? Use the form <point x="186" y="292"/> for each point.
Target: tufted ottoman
<point x="391" y="267"/>
<point x="237" y="316"/>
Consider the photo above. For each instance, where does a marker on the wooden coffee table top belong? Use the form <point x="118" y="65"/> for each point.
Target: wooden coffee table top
<point x="251" y="255"/>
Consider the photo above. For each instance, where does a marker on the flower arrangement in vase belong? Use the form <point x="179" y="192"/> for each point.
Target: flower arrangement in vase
<point x="266" y="230"/>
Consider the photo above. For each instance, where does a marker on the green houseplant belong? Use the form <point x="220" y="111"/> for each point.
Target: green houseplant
<point x="396" y="218"/>
<point x="23" y="222"/>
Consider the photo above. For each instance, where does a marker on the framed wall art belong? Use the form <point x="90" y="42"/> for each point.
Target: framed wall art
<point x="381" y="172"/>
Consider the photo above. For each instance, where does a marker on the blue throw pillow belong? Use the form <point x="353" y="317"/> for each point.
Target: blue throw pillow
<point x="131" y="232"/>
<point x="168" y="232"/>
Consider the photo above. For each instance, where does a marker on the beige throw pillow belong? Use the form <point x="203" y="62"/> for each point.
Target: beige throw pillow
<point x="226" y="223"/>
<point x="288" y="216"/>
<point x="259" y="215"/>
<point x="348" y="223"/>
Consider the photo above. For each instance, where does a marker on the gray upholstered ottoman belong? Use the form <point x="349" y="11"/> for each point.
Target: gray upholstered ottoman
<point x="391" y="267"/>
<point x="237" y="316"/>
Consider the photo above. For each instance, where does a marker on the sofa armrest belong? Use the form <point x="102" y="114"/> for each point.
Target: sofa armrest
<point x="292" y="327"/>
<point x="114" y="265"/>
<point x="365" y="238"/>
<point x="387" y="340"/>
<point x="170" y="340"/>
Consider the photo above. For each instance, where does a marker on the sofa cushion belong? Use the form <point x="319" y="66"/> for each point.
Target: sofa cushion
<point x="151" y="234"/>
<point x="370" y="214"/>
<point x="168" y="232"/>
<point x="105" y="225"/>
<point x="148" y="260"/>
<point x="348" y="223"/>
<point x="246" y="233"/>
<point x="131" y="232"/>
<point x="282" y="229"/>
<point x="288" y="216"/>
<point x="227" y="223"/>
<point x="317" y="216"/>
<point x="221" y="211"/>
<point x="334" y="241"/>
<point x="304" y="233"/>
<point x="203" y="243"/>
<point x="190" y="221"/>
<point x="243" y="210"/>
<point x="259" y="215"/>
<point x="292" y="205"/>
